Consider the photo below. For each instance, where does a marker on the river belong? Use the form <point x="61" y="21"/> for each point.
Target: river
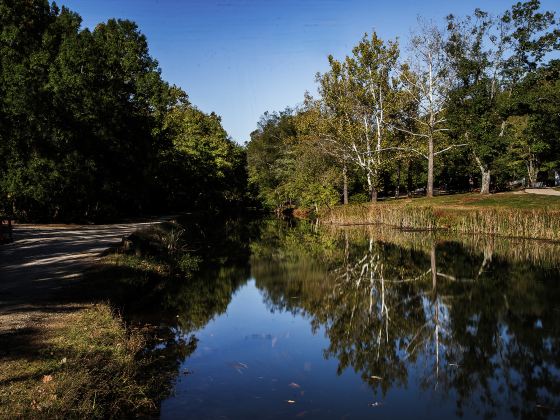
<point x="303" y="321"/>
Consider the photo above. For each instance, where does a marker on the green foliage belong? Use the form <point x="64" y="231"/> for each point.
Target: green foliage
<point x="480" y="91"/>
<point x="286" y="167"/>
<point x="90" y="131"/>
<point x="358" y="198"/>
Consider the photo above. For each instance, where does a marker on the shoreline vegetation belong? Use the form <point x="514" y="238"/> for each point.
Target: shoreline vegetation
<point x="83" y="363"/>
<point x="506" y="214"/>
<point x="90" y="359"/>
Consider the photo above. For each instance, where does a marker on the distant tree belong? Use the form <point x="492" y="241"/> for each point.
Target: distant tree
<point x="359" y="94"/>
<point x="270" y="158"/>
<point x="490" y="58"/>
<point x="427" y="79"/>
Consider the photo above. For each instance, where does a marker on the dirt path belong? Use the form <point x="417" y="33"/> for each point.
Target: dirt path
<point x="542" y="191"/>
<point x="42" y="260"/>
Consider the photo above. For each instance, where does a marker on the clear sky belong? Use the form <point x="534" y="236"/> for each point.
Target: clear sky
<point x="241" y="58"/>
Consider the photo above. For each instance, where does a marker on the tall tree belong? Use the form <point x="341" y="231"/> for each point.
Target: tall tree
<point x="360" y="95"/>
<point x="427" y="79"/>
<point x="491" y="57"/>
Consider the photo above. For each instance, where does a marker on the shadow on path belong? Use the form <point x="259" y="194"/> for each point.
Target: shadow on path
<point x="43" y="260"/>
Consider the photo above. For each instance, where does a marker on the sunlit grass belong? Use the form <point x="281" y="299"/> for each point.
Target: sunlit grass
<point x="82" y="364"/>
<point x="508" y="214"/>
<point x="507" y="200"/>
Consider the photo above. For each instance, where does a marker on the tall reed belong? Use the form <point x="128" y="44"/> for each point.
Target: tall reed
<point x="515" y="223"/>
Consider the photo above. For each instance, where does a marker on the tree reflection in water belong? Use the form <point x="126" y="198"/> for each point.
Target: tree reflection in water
<point x="476" y="319"/>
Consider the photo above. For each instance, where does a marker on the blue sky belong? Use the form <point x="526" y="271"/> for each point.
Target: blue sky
<point x="241" y="58"/>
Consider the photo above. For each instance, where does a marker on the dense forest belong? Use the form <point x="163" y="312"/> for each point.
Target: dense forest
<point x="471" y="104"/>
<point x="89" y="131"/>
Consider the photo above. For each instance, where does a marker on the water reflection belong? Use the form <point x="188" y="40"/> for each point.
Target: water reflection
<point x="475" y="320"/>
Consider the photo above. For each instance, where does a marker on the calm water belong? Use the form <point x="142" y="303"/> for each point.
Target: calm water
<point x="300" y="322"/>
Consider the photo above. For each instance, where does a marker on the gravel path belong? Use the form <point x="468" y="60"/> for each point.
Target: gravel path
<point x="42" y="260"/>
<point x="542" y="191"/>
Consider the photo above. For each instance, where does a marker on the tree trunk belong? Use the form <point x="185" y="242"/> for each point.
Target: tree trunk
<point x="373" y="195"/>
<point x="345" y="187"/>
<point x="531" y="171"/>
<point x="397" y="190"/>
<point x="409" y="179"/>
<point x="485" y="185"/>
<point x="430" y="186"/>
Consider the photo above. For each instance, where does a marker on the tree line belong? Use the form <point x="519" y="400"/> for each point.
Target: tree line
<point x="472" y="103"/>
<point x="90" y="131"/>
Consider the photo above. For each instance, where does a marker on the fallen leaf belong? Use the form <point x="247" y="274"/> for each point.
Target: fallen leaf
<point x="294" y="385"/>
<point x="376" y="377"/>
<point x="47" y="378"/>
<point x="290" y="401"/>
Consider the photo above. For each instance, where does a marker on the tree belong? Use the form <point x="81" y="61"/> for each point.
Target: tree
<point x="474" y="107"/>
<point x="270" y="159"/>
<point x="359" y="95"/>
<point x="213" y="165"/>
<point x="286" y="163"/>
<point x="427" y="79"/>
<point x="478" y="48"/>
<point x="533" y="127"/>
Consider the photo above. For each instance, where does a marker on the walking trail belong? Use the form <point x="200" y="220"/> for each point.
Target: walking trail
<point x="542" y="191"/>
<point x="42" y="260"/>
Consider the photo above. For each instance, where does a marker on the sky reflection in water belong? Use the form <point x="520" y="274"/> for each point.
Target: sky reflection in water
<point x="362" y="323"/>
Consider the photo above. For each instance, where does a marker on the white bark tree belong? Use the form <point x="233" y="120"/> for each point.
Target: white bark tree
<point x="426" y="80"/>
<point x="357" y="96"/>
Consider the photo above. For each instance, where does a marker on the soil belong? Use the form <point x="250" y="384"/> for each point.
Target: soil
<point x="42" y="263"/>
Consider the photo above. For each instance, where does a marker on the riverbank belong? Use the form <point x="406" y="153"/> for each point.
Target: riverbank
<point x="65" y="351"/>
<point x="505" y="214"/>
<point x="82" y="363"/>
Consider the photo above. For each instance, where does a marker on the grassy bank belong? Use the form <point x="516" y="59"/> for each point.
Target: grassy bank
<point x="79" y="358"/>
<point x="507" y="214"/>
<point x="79" y="364"/>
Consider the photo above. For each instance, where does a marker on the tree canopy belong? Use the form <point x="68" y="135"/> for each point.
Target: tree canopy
<point x="471" y="101"/>
<point x="89" y="130"/>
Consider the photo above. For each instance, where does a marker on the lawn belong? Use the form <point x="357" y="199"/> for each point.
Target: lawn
<point x="500" y="200"/>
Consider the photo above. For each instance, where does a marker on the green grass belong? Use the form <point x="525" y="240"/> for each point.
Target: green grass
<point x="501" y="200"/>
<point x="82" y="364"/>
